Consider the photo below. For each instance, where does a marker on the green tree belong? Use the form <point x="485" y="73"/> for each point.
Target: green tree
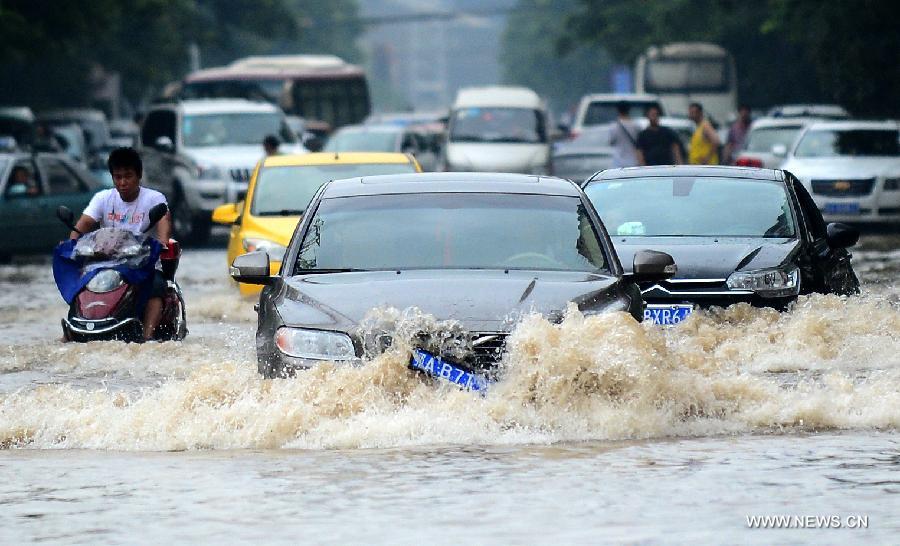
<point x="852" y="46"/>
<point x="530" y="54"/>
<point x="48" y="49"/>
<point x="785" y="50"/>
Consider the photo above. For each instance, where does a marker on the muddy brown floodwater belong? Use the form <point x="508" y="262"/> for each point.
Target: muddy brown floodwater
<point x="602" y="430"/>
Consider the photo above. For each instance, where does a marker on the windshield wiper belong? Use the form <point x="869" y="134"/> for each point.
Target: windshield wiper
<point x="282" y="212"/>
<point x="334" y="270"/>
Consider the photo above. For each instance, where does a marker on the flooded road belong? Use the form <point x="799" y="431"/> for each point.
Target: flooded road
<point x="602" y="430"/>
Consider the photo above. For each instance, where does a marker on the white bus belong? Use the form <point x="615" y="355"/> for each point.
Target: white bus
<point x="315" y="87"/>
<point x="686" y="72"/>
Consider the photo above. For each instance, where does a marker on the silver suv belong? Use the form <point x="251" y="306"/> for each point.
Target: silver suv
<point x="201" y="154"/>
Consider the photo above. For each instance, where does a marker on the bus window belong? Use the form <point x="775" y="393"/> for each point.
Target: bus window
<point x="686" y="75"/>
<point x="316" y="87"/>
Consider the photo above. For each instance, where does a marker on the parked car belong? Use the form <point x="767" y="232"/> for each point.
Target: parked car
<point x="585" y="154"/>
<point x="498" y="129"/>
<point x="382" y="138"/>
<point x="737" y="235"/>
<point x="852" y="169"/>
<point x="589" y="151"/>
<point x="478" y="248"/>
<point x="600" y="108"/>
<point x="822" y="111"/>
<point x="124" y="132"/>
<point x="91" y="120"/>
<point x="428" y="129"/>
<point x="70" y="138"/>
<point x="17" y="122"/>
<point x="279" y="192"/>
<point x="201" y="153"/>
<point x="769" y="140"/>
<point x="32" y="186"/>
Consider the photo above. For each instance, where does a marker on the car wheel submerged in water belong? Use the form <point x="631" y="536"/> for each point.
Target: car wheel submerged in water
<point x="188" y="226"/>
<point x="477" y="249"/>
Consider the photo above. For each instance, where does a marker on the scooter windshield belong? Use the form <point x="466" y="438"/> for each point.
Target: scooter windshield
<point x="109" y="247"/>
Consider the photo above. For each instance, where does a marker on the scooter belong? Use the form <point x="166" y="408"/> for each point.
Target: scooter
<point x="106" y="276"/>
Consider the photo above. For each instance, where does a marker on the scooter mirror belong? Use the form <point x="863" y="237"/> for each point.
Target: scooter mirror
<point x="66" y="216"/>
<point x="157" y="213"/>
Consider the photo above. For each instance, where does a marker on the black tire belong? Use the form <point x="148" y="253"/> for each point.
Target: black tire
<point x="202" y="227"/>
<point x="189" y="227"/>
<point x="5" y="258"/>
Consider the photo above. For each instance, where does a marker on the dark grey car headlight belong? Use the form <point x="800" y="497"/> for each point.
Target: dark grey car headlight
<point x="767" y="283"/>
<point x="315" y="344"/>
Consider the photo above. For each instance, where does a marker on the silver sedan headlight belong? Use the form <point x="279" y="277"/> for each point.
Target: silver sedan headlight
<point x="315" y="344"/>
<point x="767" y="283"/>
<point x="105" y="281"/>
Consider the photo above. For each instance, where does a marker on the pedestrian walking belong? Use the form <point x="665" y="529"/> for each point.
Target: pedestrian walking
<point x="623" y="137"/>
<point x="704" y="142"/>
<point x="658" y="145"/>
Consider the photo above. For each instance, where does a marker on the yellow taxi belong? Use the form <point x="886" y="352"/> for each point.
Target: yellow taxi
<point x="281" y="188"/>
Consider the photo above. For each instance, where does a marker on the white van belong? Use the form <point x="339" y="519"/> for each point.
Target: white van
<point x="497" y="129"/>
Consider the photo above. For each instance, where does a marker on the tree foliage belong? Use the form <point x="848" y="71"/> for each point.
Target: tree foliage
<point x="785" y="50"/>
<point x="529" y="54"/>
<point x="49" y="49"/>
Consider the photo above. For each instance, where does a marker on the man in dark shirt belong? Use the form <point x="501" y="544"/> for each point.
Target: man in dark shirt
<point x="658" y="145"/>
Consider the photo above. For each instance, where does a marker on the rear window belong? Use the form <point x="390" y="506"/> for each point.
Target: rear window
<point x="286" y="191"/>
<point x="854" y="142"/>
<point x="599" y="113"/>
<point x="686" y="75"/>
<point x="762" y="140"/>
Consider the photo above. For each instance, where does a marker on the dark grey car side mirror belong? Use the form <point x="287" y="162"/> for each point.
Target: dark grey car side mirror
<point x="251" y="268"/>
<point x="841" y="235"/>
<point x="651" y="266"/>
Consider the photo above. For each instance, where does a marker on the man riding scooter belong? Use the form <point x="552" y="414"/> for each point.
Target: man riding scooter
<point x="127" y="206"/>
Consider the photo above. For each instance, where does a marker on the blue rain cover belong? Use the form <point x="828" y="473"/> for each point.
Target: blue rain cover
<point x="70" y="281"/>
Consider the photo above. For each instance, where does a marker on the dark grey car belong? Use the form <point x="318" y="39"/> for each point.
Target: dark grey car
<point x="738" y="235"/>
<point x="481" y="249"/>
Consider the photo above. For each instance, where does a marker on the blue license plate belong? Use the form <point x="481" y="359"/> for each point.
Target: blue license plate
<point x="436" y="366"/>
<point x="667" y="314"/>
<point x="841" y="208"/>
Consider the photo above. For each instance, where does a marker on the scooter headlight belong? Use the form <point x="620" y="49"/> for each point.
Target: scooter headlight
<point x="768" y="283"/>
<point x="105" y="281"/>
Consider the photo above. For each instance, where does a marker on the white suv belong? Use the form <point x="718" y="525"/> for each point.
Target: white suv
<point x="852" y="169"/>
<point x="201" y="154"/>
<point x="601" y="108"/>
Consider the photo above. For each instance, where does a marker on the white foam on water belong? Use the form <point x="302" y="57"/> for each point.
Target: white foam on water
<point x="829" y="363"/>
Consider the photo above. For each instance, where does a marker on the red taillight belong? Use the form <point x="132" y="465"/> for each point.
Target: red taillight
<point x="749" y="162"/>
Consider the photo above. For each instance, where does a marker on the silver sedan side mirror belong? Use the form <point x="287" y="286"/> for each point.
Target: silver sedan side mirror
<point x="252" y="268"/>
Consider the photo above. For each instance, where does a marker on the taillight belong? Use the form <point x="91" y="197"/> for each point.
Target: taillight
<point x="749" y="162"/>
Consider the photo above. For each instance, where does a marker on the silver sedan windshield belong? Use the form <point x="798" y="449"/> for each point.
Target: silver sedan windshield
<point x="452" y="231"/>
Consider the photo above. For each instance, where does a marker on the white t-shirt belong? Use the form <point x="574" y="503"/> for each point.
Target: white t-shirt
<point x="108" y="209"/>
<point x="623" y="139"/>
